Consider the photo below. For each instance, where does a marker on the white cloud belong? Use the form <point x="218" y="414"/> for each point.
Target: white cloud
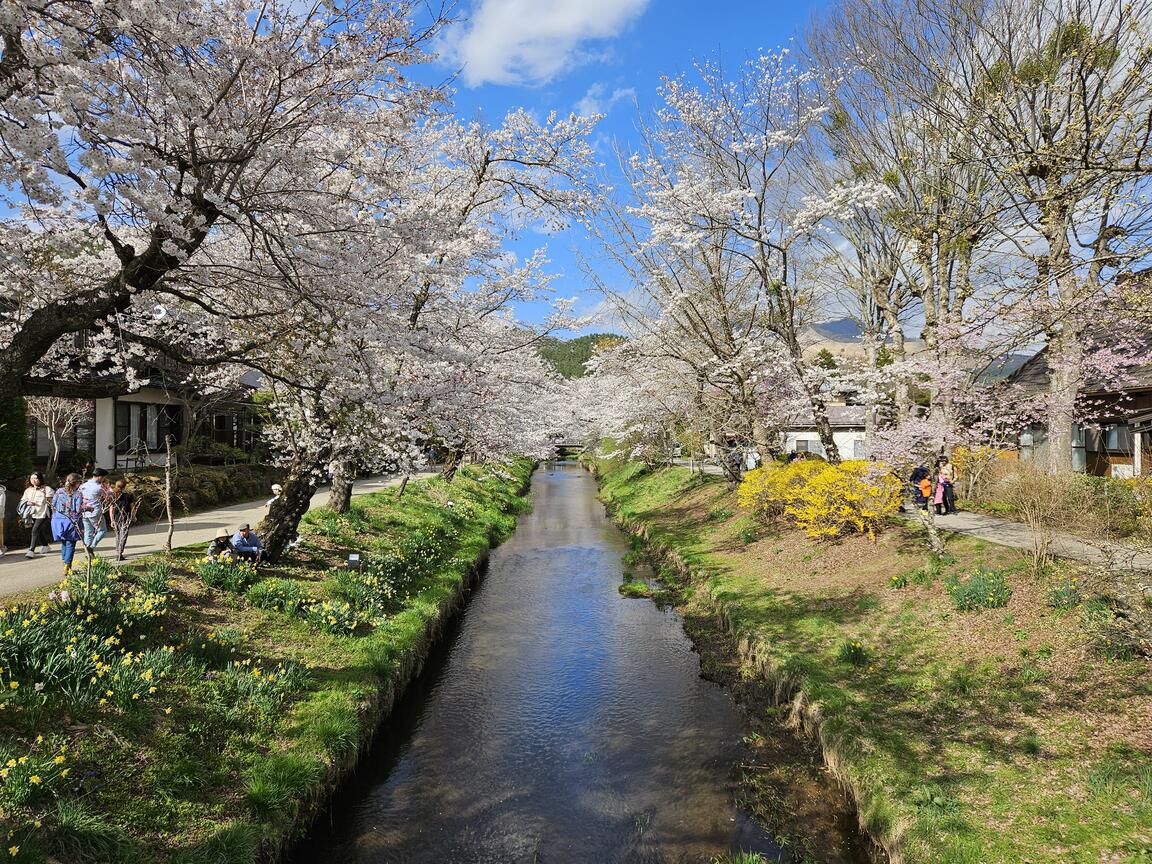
<point x="532" y="41"/>
<point x="598" y="101"/>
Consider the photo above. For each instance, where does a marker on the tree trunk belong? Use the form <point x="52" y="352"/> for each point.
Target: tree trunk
<point x="168" y="492"/>
<point x="767" y="444"/>
<point x="53" y="461"/>
<point x="340" y="498"/>
<point x="452" y="464"/>
<point x="732" y="464"/>
<point x="1064" y="363"/>
<point x="815" y="403"/>
<point x="928" y="521"/>
<point x="824" y="430"/>
<point x="280" y="525"/>
<point x="871" y="408"/>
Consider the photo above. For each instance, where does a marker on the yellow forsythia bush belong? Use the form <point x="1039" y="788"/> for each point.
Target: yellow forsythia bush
<point x="827" y="501"/>
<point x="770" y="490"/>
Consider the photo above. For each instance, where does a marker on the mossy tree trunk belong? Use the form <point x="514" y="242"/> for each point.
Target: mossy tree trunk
<point x="340" y="498"/>
<point x="279" y="527"/>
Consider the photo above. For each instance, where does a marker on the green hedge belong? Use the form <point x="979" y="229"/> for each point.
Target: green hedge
<point x="201" y="487"/>
<point x="15" y="458"/>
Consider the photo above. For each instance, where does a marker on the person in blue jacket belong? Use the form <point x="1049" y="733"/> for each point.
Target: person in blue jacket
<point x="67" y="517"/>
<point x="247" y="545"/>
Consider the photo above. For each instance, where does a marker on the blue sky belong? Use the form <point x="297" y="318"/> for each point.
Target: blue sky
<point x="604" y="56"/>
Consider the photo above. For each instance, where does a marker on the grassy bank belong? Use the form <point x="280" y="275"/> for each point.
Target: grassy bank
<point x="979" y="713"/>
<point x="181" y="711"/>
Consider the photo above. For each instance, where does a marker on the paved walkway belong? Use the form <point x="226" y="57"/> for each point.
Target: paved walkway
<point x="1018" y="535"/>
<point x="19" y="574"/>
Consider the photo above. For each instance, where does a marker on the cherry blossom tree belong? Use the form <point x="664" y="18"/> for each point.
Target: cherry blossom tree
<point x="60" y="418"/>
<point x="712" y="224"/>
<point x="133" y="136"/>
<point x="1030" y="125"/>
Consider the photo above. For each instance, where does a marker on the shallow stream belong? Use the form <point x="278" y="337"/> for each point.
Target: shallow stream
<point x="558" y="723"/>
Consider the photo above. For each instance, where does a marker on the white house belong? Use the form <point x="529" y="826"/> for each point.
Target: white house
<point x="129" y="431"/>
<point x="847" y="423"/>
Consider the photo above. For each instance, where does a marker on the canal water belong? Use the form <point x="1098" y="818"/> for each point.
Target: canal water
<point x="560" y="724"/>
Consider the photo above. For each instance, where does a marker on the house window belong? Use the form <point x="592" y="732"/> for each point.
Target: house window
<point x="801" y="445"/>
<point x="1030" y="440"/>
<point x="168" y="423"/>
<point x="1079" y="448"/>
<point x="124" y="437"/>
<point x="859" y="451"/>
<point x="140" y="424"/>
<point x="222" y="429"/>
<point x="1118" y="438"/>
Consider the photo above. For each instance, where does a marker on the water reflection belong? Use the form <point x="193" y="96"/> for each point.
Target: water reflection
<point x="564" y="724"/>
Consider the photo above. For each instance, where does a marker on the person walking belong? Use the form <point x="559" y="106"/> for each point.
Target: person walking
<point x="67" y="517"/>
<point x="95" y="495"/>
<point x="247" y="544"/>
<point x="36" y="508"/>
<point x="121" y="514"/>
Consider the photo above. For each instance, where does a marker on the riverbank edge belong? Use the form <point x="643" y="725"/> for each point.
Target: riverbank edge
<point x="804" y="716"/>
<point x="376" y="710"/>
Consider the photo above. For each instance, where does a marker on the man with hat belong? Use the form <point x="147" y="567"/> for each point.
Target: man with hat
<point x="247" y="544"/>
<point x="220" y="549"/>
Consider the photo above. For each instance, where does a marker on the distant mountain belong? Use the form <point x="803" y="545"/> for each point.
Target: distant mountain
<point x="841" y="330"/>
<point x="568" y="356"/>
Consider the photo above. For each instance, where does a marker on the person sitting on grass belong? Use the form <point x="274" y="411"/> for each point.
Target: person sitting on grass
<point x="220" y="549"/>
<point x="247" y="544"/>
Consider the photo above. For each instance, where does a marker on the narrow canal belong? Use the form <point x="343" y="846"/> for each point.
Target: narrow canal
<point x="561" y="724"/>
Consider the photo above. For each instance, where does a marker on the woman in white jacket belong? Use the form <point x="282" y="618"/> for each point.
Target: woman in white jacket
<point x="36" y="504"/>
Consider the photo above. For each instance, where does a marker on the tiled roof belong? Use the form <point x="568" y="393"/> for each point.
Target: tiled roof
<point x="839" y="416"/>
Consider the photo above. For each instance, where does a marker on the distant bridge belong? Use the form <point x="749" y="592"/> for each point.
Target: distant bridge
<point x="568" y="449"/>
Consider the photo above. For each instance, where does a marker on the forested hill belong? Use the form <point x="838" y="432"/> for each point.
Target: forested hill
<point x="568" y="356"/>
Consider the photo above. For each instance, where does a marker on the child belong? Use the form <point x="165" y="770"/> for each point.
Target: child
<point x="921" y="487"/>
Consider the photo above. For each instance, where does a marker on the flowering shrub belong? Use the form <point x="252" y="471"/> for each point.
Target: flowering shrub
<point x="70" y="651"/>
<point x="134" y="677"/>
<point x="827" y="501"/>
<point x="854" y="653"/>
<point x="229" y="575"/>
<point x="1065" y="594"/>
<point x="261" y="691"/>
<point x="157" y="579"/>
<point x="770" y="490"/>
<point x="335" y="616"/>
<point x="384" y="582"/>
<point x="282" y="595"/>
<point x="30" y="773"/>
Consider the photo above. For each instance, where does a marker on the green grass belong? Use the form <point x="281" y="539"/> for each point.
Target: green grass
<point x="635" y="589"/>
<point x="967" y="755"/>
<point x="258" y="702"/>
<point x="740" y="858"/>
